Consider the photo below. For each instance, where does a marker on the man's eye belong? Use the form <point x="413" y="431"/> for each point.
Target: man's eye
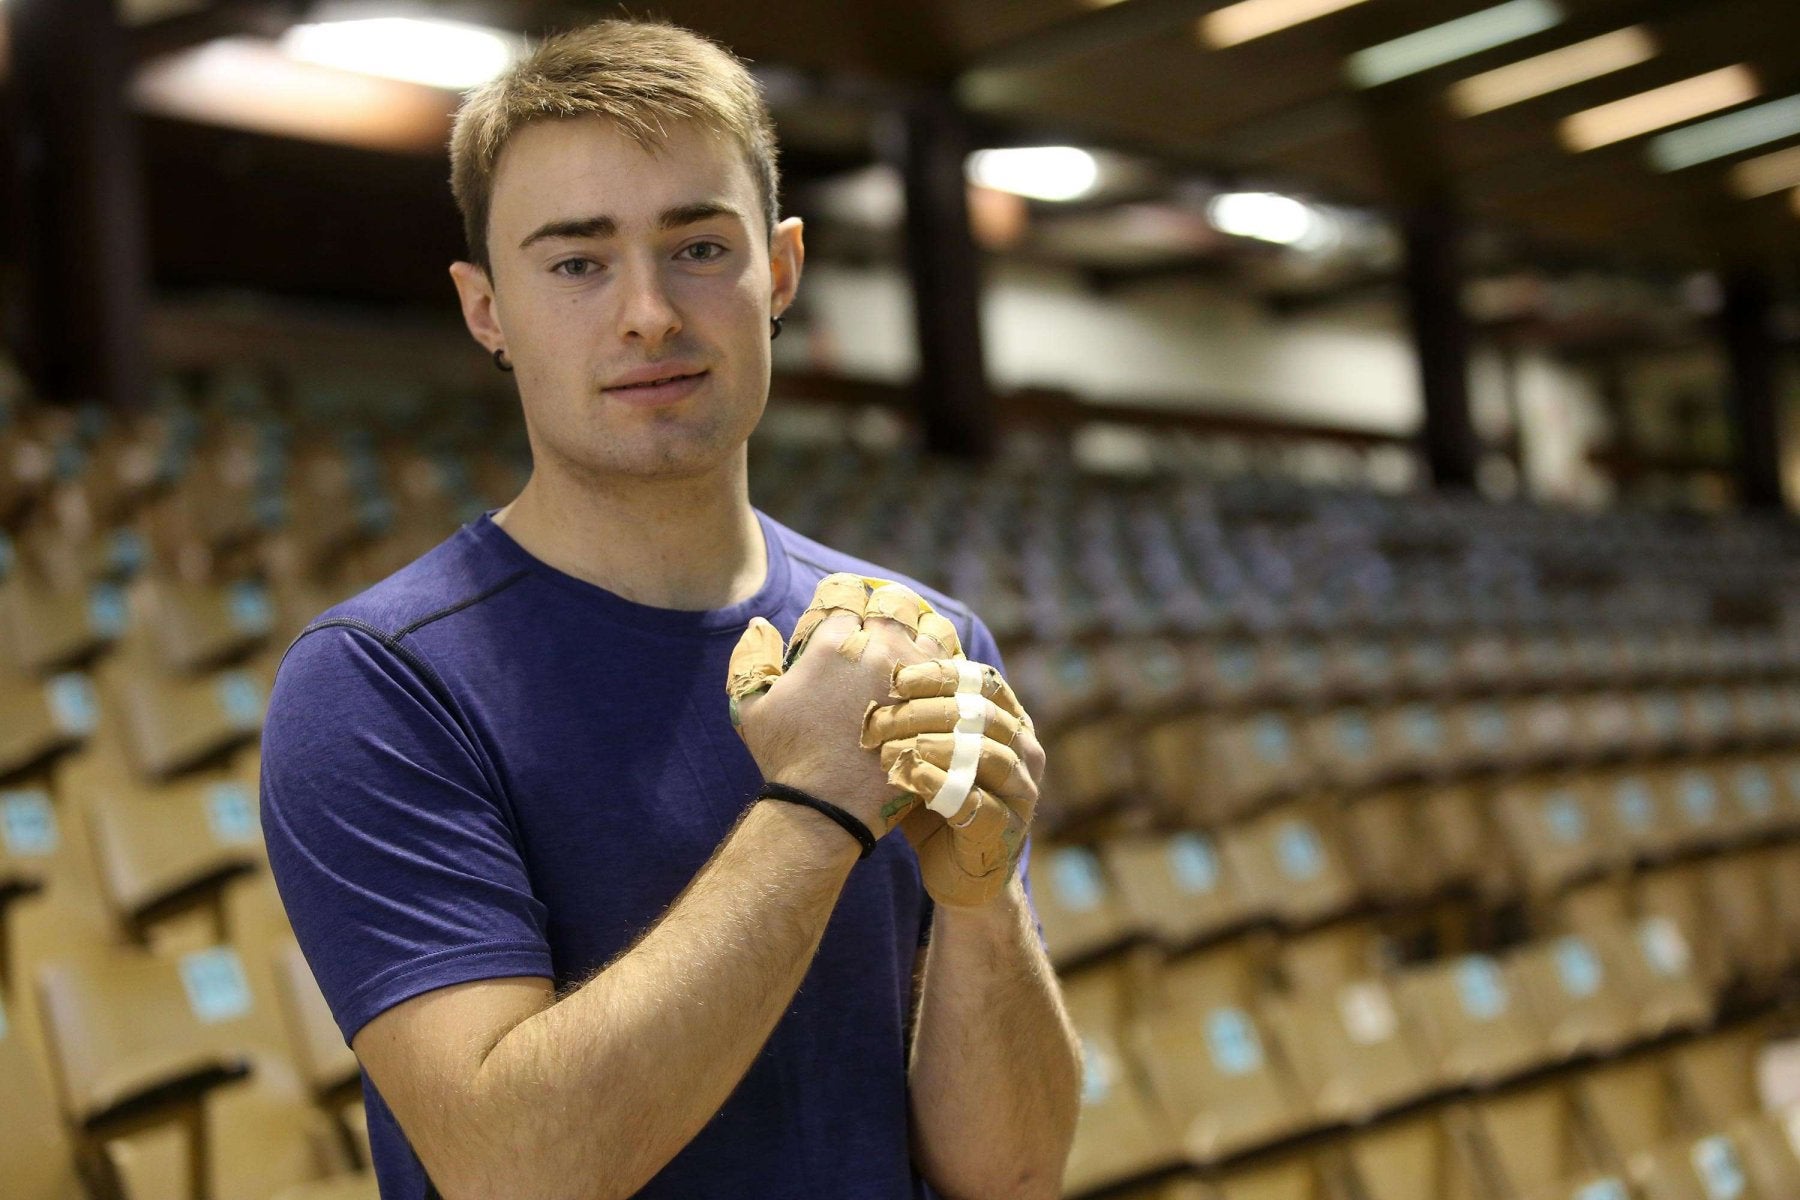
<point x="578" y="267"/>
<point x="712" y="251"/>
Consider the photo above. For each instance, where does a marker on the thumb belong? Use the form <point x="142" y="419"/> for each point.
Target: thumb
<point x="755" y="666"/>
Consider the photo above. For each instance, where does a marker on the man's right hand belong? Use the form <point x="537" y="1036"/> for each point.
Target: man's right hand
<point x="801" y="712"/>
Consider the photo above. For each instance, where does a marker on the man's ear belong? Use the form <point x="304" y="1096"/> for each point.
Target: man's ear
<point x="479" y="305"/>
<point x="787" y="255"/>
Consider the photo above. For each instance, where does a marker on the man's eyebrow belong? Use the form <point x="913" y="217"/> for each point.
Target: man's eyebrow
<point x="605" y="227"/>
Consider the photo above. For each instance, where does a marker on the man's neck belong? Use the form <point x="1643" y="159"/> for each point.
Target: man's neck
<point x="689" y="544"/>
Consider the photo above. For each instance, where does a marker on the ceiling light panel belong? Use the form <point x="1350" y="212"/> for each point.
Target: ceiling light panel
<point x="1249" y="19"/>
<point x="1040" y="172"/>
<point x="1659" y="108"/>
<point x="1550" y="72"/>
<point x="1767" y="175"/>
<point x="1726" y="135"/>
<point x="1450" y="41"/>
<point x="444" y="54"/>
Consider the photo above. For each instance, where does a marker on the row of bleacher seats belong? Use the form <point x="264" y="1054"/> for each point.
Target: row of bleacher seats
<point x="1378" y="832"/>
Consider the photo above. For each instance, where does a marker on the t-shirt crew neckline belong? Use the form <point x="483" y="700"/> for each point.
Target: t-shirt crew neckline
<point x="732" y="618"/>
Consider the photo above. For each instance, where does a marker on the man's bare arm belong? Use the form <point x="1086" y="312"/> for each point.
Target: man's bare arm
<point x="996" y="1067"/>
<point x="504" y="1093"/>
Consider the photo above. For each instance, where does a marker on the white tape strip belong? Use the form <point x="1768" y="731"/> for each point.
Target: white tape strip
<point x="965" y="753"/>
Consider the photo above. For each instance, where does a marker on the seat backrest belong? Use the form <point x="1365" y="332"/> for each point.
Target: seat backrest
<point x="36" y="1157"/>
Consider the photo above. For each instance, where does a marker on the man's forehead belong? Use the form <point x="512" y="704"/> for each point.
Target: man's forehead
<point x="587" y="164"/>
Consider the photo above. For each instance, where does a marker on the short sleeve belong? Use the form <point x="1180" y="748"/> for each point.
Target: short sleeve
<point x="979" y="646"/>
<point x="390" y="844"/>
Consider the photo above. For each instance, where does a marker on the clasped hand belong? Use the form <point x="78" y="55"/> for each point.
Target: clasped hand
<point x="874" y="707"/>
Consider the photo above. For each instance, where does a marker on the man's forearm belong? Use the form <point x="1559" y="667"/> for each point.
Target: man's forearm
<point x="589" y="1098"/>
<point x="996" y="1069"/>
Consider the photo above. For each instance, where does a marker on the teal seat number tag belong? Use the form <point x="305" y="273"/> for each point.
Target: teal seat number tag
<point x="1079" y="885"/>
<point x="1231" y="1040"/>
<point x="1578" y="967"/>
<point x="231" y="812"/>
<point x="28" y="824"/>
<point x="216" y="987"/>
<point x="1193" y="863"/>
<point x="1716" y="1163"/>
<point x="1481" y="987"/>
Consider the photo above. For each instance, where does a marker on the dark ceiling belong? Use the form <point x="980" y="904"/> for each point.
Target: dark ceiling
<point x="242" y="209"/>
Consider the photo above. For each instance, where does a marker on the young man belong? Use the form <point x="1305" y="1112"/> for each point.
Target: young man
<point x="505" y="803"/>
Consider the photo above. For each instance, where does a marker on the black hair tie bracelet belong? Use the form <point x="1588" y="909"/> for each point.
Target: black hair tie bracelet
<point x="852" y="826"/>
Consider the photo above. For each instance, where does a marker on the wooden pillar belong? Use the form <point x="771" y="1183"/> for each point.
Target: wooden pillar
<point x="1745" y="325"/>
<point x="1432" y="275"/>
<point x="81" y="228"/>
<point x="956" y="407"/>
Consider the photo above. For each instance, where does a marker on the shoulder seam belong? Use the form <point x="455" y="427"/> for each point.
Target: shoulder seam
<point x="477" y="598"/>
<point x="424" y="669"/>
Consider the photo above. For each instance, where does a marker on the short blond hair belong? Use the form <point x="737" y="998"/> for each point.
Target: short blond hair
<point x="640" y="75"/>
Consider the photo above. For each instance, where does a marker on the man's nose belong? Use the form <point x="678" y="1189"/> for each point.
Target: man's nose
<point x="645" y="311"/>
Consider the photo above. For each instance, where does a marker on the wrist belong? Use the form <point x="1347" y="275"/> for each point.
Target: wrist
<point x="813" y="837"/>
<point x="1001" y="911"/>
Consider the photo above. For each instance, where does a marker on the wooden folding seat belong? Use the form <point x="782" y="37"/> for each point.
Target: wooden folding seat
<point x="1711" y="719"/>
<point x="1418" y="738"/>
<point x="1477" y="1026"/>
<point x="1552" y="832"/>
<point x="1782" y="865"/>
<point x="1349" y="747"/>
<point x="1078" y="904"/>
<point x="1180" y="888"/>
<point x="1326" y="958"/>
<point x="1351" y="1053"/>
<point x="1660" y="972"/>
<point x="40" y="719"/>
<point x="257" y="1137"/>
<point x="1600" y="659"/>
<point x="325" y="1061"/>
<point x="1384" y="833"/>
<point x="138" y="1031"/>
<point x="197" y="626"/>
<point x="1290" y="859"/>
<point x="1480" y="735"/>
<point x="1662" y="720"/>
<point x="1715" y="1076"/>
<point x="1577" y="989"/>
<point x="1121" y="1133"/>
<point x="1693" y="795"/>
<point x="1210" y="1061"/>
<point x="1095" y="766"/>
<point x="1754" y="797"/>
<point x="1302" y="1177"/>
<point x="1677" y="894"/>
<point x="1757" y="711"/>
<point x="1362" y="666"/>
<point x="173" y="723"/>
<point x="1232" y="671"/>
<point x="44" y="628"/>
<point x="1461" y="835"/>
<point x="1545" y="660"/>
<point x="1210" y="769"/>
<point x="1605" y="725"/>
<point x="1544" y="729"/>
<point x="1709" y="1167"/>
<point x="1423" y="663"/>
<point x="161" y="847"/>
<point x="1484" y="661"/>
<point x="1741" y="920"/>
<point x="1064" y="683"/>
<point x="1301" y="669"/>
<point x="1539" y="1147"/>
<point x="1769" y="1144"/>
<point x="37" y="1159"/>
<point x="1641" y="816"/>
<point x="1633" y="1111"/>
<point x="1421" y="1158"/>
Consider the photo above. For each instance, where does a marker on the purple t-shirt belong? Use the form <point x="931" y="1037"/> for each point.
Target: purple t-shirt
<point x="484" y="767"/>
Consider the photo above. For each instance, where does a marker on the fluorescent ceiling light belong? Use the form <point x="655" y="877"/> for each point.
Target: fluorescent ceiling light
<point x="443" y="54"/>
<point x="1658" y="108"/>
<point x="1767" y="175"/>
<point x="1253" y="18"/>
<point x="1548" y="72"/>
<point x="1040" y="172"/>
<point x="1726" y="135"/>
<point x="248" y="83"/>
<point x="1450" y="41"/>
<point x="1267" y="217"/>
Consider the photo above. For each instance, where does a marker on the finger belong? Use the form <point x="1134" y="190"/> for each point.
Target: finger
<point x="755" y="665"/>
<point x="942" y="714"/>
<point x="986" y="834"/>
<point x="949" y="676"/>
<point x="937" y="636"/>
<point x="998" y="768"/>
<point x="898" y="603"/>
<point x="839" y="592"/>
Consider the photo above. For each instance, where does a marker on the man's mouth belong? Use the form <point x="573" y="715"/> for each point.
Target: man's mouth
<point x="660" y="381"/>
